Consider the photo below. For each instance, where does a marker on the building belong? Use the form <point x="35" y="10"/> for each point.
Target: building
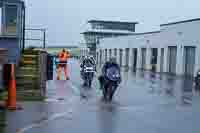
<point x="12" y="28"/>
<point x="100" y="29"/>
<point x="174" y="49"/>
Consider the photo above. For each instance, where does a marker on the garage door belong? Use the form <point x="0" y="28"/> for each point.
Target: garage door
<point x="120" y="57"/>
<point x="143" y="58"/>
<point x="127" y="57"/>
<point x="162" y="60"/>
<point x="154" y="57"/>
<point x="189" y="54"/>
<point x="115" y="52"/>
<point x="106" y="57"/>
<point x="100" y="57"/>
<point x="172" y="59"/>
<point x="135" y="58"/>
<point x="110" y="53"/>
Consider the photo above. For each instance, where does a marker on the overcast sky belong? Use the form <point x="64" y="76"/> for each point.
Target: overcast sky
<point x="65" y="19"/>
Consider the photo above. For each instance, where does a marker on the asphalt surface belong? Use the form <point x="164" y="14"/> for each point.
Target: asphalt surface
<point x="144" y="102"/>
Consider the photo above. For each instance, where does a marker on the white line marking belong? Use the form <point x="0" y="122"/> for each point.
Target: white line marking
<point x="51" y="118"/>
<point x="75" y="89"/>
<point x="40" y="123"/>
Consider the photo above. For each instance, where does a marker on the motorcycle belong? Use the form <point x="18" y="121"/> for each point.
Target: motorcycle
<point x="87" y="75"/>
<point x="112" y="80"/>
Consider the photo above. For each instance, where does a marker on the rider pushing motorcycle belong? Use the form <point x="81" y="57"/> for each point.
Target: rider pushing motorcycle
<point x="110" y="74"/>
<point x="197" y="81"/>
<point x="88" y="67"/>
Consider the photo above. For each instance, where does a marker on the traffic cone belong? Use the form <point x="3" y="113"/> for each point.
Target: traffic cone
<point x="12" y="97"/>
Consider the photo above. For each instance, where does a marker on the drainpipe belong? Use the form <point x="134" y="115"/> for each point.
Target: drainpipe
<point x="24" y="17"/>
<point x="44" y="39"/>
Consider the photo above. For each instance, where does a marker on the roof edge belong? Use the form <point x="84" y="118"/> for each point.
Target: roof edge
<point x="98" y="32"/>
<point x="62" y="46"/>
<point x="179" y="22"/>
<point x="143" y="33"/>
<point x="107" y="21"/>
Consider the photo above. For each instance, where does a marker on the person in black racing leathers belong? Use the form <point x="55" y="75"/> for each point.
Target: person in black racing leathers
<point x="88" y="60"/>
<point x="112" y="62"/>
<point x="197" y="81"/>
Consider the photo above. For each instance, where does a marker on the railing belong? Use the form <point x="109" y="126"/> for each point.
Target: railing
<point x="40" y="39"/>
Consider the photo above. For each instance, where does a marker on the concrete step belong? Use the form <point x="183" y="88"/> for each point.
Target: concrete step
<point x="25" y="88"/>
<point x="27" y="83"/>
<point x="28" y="62"/>
<point x="33" y="64"/>
<point x="28" y="80"/>
<point x="30" y="57"/>
<point x="29" y="95"/>
<point x="27" y="71"/>
<point x="28" y="65"/>
<point x="33" y="52"/>
<point x="27" y="77"/>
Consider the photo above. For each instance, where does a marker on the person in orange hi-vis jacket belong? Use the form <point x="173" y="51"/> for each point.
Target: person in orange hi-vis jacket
<point x="63" y="58"/>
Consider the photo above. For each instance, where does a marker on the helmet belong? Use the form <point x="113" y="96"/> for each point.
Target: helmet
<point x="63" y="50"/>
<point x="113" y="60"/>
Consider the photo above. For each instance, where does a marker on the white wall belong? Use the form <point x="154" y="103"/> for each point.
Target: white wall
<point x="180" y="35"/>
<point x="186" y="34"/>
<point x="133" y="41"/>
<point x="183" y="34"/>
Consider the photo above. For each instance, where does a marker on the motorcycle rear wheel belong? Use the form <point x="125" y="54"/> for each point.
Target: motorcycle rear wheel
<point x="90" y="83"/>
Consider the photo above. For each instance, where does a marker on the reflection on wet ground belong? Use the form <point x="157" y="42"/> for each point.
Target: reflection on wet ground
<point x="107" y="119"/>
<point x="3" y="122"/>
<point x="179" y="87"/>
<point x="144" y="102"/>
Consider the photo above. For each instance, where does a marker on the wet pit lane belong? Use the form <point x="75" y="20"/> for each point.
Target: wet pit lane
<point x="144" y="102"/>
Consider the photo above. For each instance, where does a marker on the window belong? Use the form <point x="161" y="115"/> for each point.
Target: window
<point x="0" y="21"/>
<point x="11" y="20"/>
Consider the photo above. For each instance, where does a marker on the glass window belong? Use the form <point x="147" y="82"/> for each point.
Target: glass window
<point x="0" y="21"/>
<point x="11" y="20"/>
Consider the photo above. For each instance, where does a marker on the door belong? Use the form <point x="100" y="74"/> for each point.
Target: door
<point x="110" y="53"/>
<point x="106" y="55"/>
<point x="127" y="57"/>
<point x="115" y="52"/>
<point x="189" y="54"/>
<point x="135" y="58"/>
<point x="143" y="58"/>
<point x="162" y="60"/>
<point x="172" y="59"/>
<point x="120" y="57"/>
<point x="154" y="58"/>
<point x="100" y="60"/>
